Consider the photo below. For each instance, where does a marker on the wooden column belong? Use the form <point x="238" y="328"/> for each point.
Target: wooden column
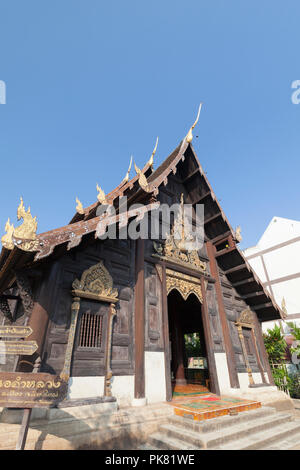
<point x="39" y="319"/>
<point x="166" y="335"/>
<point x="139" y="321"/>
<point x="230" y="356"/>
<point x="212" y="369"/>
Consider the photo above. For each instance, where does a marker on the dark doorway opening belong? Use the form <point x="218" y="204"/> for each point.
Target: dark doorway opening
<point x="187" y="341"/>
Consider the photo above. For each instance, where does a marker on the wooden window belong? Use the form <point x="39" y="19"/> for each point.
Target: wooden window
<point x="90" y="335"/>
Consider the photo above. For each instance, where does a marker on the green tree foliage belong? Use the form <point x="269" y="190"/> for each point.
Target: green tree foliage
<point x="275" y="345"/>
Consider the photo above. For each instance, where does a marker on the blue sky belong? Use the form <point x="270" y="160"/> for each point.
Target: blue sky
<point x="91" y="82"/>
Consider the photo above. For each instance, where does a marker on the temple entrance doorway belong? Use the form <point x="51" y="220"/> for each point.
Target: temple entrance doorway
<point x="188" y="355"/>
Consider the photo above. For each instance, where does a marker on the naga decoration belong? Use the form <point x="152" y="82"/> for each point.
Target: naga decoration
<point x="79" y="207"/>
<point x="189" y="136"/>
<point x="7" y="239"/>
<point x="101" y="195"/>
<point x="142" y="179"/>
<point x="24" y="236"/>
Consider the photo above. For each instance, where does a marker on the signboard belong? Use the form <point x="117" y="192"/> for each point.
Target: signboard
<point x="24" y="348"/>
<point x="7" y="331"/>
<point x="197" y="363"/>
<point x="30" y="390"/>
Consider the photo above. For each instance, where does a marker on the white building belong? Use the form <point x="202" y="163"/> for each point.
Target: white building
<point x="276" y="261"/>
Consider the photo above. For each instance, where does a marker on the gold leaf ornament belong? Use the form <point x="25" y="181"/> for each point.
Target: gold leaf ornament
<point x="7" y="240"/>
<point x="79" y="207"/>
<point x="150" y="162"/>
<point x="142" y="179"/>
<point x="101" y="195"/>
<point x="189" y="136"/>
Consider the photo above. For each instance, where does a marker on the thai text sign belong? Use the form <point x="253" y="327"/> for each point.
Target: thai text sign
<point x="7" y="331"/>
<point x="24" y="348"/>
<point x="30" y="390"/>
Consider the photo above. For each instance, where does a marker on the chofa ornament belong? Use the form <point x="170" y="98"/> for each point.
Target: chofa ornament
<point x="24" y="236"/>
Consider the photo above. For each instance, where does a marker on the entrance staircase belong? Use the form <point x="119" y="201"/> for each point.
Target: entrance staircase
<point x="263" y="429"/>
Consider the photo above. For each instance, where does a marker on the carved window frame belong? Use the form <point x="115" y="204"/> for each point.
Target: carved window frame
<point x="95" y="284"/>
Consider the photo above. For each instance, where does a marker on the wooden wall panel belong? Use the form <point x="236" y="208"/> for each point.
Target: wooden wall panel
<point x="153" y="310"/>
<point x="117" y="256"/>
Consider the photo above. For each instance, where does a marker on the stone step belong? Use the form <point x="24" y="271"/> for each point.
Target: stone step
<point x="177" y="432"/>
<point x="147" y="447"/>
<point x="215" y="438"/>
<point x="216" y="424"/>
<point x="289" y="443"/>
<point x="266" y="438"/>
<point x="160" y="441"/>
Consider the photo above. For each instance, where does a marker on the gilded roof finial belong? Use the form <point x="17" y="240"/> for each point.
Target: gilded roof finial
<point x="7" y="240"/>
<point x="79" y="207"/>
<point x="189" y="136"/>
<point x="283" y="306"/>
<point x="237" y="234"/>
<point x="126" y="179"/>
<point x="26" y="232"/>
<point x="101" y="195"/>
<point x="150" y="162"/>
<point x="142" y="179"/>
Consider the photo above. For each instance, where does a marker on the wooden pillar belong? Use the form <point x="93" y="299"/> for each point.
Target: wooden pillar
<point x="39" y="319"/>
<point x="230" y="355"/>
<point x="166" y="335"/>
<point x="139" y="321"/>
<point x="212" y="369"/>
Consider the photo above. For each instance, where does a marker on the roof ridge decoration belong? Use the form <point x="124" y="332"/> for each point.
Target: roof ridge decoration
<point x="189" y="136"/>
<point x="237" y="234"/>
<point x="7" y="239"/>
<point x="283" y="306"/>
<point x="150" y="162"/>
<point x="126" y="179"/>
<point x="142" y="178"/>
<point x="24" y="236"/>
<point x="101" y="195"/>
<point x="79" y="207"/>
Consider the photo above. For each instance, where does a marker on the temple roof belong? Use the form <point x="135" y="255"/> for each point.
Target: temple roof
<point x="144" y="188"/>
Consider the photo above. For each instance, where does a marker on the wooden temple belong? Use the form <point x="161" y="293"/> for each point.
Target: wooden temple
<point x="107" y="318"/>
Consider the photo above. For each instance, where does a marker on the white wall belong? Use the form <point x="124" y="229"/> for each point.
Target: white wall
<point x="122" y="387"/>
<point x="279" y="262"/>
<point x="155" y="379"/>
